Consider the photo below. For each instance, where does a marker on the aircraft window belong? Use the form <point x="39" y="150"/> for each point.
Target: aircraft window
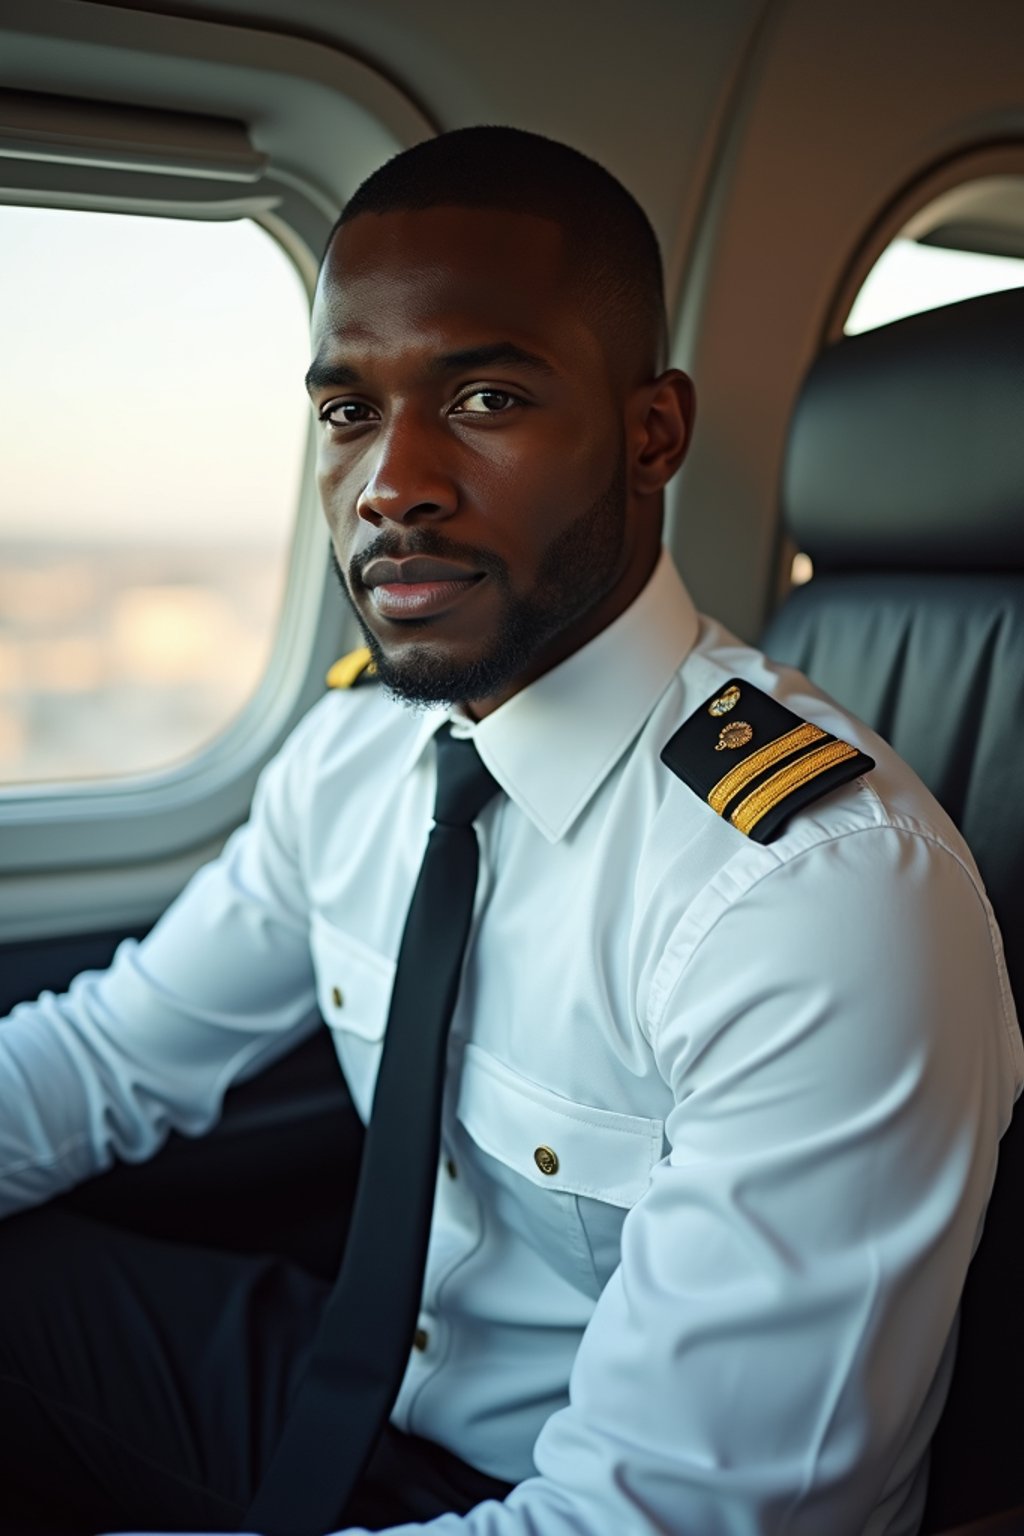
<point x="152" y="433"/>
<point x="910" y="277"/>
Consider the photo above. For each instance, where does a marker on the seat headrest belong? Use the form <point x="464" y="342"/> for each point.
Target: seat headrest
<point x="907" y="444"/>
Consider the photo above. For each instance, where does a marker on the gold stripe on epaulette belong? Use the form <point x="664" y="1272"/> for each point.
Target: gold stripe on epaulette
<point x="739" y="777"/>
<point x="344" y="672"/>
<point x="765" y="798"/>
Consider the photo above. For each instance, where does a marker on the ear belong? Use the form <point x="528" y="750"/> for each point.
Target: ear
<point x="661" y="427"/>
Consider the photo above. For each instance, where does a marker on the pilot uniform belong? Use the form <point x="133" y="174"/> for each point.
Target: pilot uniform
<point x="724" y="1085"/>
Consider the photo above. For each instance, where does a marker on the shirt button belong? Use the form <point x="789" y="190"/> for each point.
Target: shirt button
<point x="420" y="1339"/>
<point x="450" y="1168"/>
<point x="337" y="998"/>
<point x="546" y="1160"/>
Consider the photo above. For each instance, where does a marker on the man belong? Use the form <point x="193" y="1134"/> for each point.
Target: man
<point x="732" y="1046"/>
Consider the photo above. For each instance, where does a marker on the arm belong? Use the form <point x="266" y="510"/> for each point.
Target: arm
<point x="771" y="1354"/>
<point x="221" y="987"/>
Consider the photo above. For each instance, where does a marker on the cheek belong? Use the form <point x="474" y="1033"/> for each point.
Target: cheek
<point x="535" y="499"/>
<point x="522" y="534"/>
<point x="335" y="481"/>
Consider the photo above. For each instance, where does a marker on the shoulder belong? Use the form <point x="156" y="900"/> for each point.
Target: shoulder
<point x="755" y="762"/>
<point x="811" y="801"/>
<point x="350" y="730"/>
<point x="756" y="747"/>
<point x="355" y="669"/>
<point x="862" y="867"/>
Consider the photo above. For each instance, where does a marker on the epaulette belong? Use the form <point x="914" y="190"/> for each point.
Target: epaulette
<point x="352" y="670"/>
<point x="756" y="762"/>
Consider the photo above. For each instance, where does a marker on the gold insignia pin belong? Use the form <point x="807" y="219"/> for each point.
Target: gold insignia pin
<point x="736" y="734"/>
<point x="725" y="701"/>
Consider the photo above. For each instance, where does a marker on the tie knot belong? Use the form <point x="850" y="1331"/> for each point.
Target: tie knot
<point x="464" y="785"/>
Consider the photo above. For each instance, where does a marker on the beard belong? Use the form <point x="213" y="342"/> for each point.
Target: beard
<point x="577" y="570"/>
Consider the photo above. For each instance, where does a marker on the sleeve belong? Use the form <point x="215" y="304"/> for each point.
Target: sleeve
<point x="221" y="986"/>
<point x="772" y="1352"/>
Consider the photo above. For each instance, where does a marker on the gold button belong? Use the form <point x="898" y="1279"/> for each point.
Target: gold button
<point x="420" y="1339"/>
<point x="336" y="997"/>
<point x="450" y="1167"/>
<point x="546" y="1160"/>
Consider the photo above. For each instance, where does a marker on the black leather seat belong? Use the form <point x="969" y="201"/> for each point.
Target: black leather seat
<point x="904" y="482"/>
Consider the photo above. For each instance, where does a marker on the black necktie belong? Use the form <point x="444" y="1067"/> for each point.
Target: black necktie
<point x="362" y="1346"/>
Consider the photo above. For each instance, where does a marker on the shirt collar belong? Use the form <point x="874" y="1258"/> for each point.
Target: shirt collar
<point x="552" y="745"/>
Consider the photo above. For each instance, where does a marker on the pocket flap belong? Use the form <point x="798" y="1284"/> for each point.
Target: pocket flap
<point x="353" y="982"/>
<point x="554" y="1142"/>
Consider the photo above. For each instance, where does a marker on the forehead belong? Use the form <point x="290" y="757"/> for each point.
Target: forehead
<point x="389" y="279"/>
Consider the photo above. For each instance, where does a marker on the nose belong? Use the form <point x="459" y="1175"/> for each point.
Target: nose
<point x="409" y="480"/>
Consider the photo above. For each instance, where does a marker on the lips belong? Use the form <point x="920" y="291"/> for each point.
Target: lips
<point x="418" y="587"/>
<point x="415" y="570"/>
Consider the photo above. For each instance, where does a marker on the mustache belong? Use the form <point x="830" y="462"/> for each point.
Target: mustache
<point x="393" y="545"/>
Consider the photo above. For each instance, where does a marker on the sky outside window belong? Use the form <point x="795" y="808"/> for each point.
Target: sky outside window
<point x="152" y="431"/>
<point x="909" y="278"/>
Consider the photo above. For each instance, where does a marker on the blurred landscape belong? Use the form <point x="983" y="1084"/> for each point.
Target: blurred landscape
<point x="153" y="431"/>
<point x="122" y="660"/>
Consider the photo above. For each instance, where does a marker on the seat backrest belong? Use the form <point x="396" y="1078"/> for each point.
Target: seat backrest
<point x="904" y="483"/>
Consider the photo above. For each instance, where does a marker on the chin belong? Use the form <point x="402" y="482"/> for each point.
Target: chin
<point x="424" y="673"/>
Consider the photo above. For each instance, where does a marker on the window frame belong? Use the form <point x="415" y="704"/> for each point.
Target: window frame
<point x="163" y="810"/>
<point x="1005" y="158"/>
<point x="133" y="840"/>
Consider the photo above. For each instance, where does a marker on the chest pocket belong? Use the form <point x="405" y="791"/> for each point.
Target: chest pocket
<point x="562" y="1175"/>
<point x="353" y="984"/>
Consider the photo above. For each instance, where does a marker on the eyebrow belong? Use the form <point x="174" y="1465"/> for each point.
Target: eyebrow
<point x="323" y="375"/>
<point x="502" y="354"/>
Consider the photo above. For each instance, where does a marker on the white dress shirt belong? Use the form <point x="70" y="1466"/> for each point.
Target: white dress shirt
<point x="721" y="1118"/>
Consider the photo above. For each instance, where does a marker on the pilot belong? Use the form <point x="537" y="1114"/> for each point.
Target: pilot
<point x="672" y="999"/>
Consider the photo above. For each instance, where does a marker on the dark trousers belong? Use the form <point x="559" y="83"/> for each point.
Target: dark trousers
<point x="144" y="1385"/>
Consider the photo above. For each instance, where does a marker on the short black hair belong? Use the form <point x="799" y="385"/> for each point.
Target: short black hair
<point x="609" y="237"/>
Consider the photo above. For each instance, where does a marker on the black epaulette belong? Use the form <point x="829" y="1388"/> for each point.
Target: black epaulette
<point x="755" y="762"/>
<point x="352" y="670"/>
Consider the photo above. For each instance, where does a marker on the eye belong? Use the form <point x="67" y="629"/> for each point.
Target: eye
<point x="346" y="413"/>
<point x="486" y="402"/>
